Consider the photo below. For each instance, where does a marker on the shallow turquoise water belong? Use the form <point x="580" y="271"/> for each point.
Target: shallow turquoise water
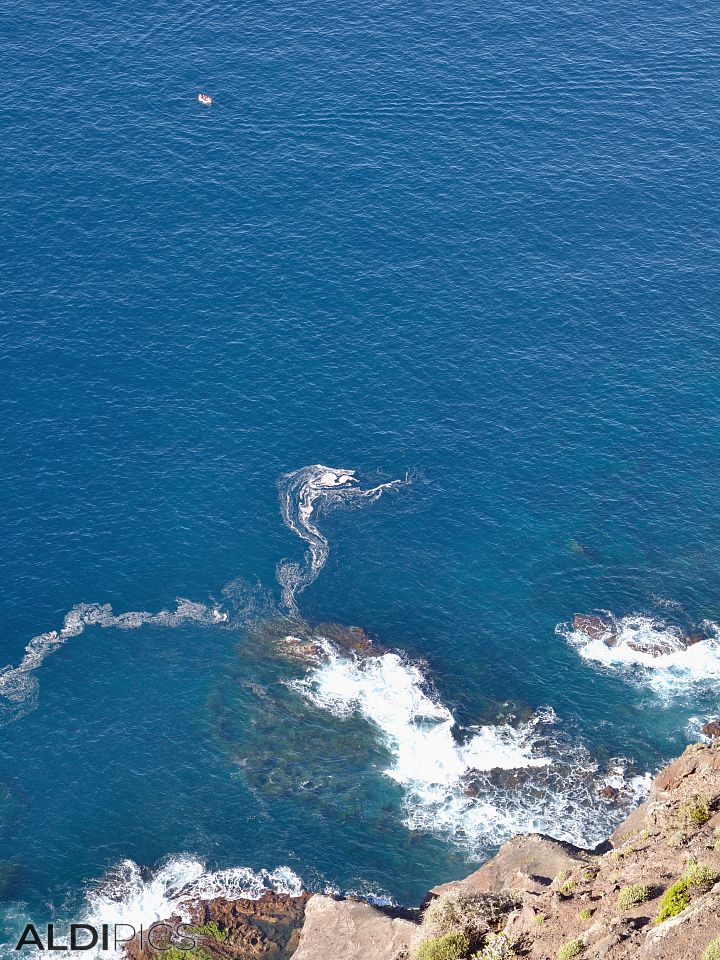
<point x="478" y="245"/>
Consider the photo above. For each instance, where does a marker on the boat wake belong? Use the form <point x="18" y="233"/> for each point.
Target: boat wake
<point x="19" y="685"/>
<point x="302" y="493"/>
<point x="476" y="786"/>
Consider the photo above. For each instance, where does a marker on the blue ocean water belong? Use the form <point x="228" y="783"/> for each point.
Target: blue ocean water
<point x="474" y="243"/>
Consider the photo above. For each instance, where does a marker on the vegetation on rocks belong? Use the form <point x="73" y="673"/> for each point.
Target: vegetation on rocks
<point x="573" y="948"/>
<point x="694" y="811"/>
<point x="213" y="931"/>
<point x="466" y="915"/>
<point x="451" y="946"/>
<point x="689" y="817"/>
<point x="674" y="901"/>
<point x="631" y="895"/>
<point x="712" y="950"/>
<point x="677" y="896"/>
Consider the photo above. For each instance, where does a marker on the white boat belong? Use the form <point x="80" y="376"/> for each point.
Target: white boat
<point x="205" y="99"/>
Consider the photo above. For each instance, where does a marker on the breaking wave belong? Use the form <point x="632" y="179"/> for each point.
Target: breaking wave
<point x="676" y="668"/>
<point x="136" y="897"/>
<point x="19" y="685"/>
<point x="302" y="493"/>
<point x="481" y="785"/>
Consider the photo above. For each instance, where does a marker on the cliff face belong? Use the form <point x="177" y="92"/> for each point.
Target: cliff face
<point x="572" y="902"/>
<point x="652" y="892"/>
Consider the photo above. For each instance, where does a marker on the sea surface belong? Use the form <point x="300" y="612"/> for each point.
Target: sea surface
<point x="469" y="251"/>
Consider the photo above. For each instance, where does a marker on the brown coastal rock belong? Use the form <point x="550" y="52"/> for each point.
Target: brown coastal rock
<point x="603" y="628"/>
<point x="712" y="729"/>
<point x="351" y="930"/>
<point x="264" y="929"/>
<point x="531" y="854"/>
<point x="301" y="641"/>
<point x="597" y="628"/>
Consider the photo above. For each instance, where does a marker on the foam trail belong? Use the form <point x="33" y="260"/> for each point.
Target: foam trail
<point x="19" y="686"/>
<point x="522" y="779"/>
<point x="128" y="896"/>
<point x="671" y="672"/>
<point x="301" y="493"/>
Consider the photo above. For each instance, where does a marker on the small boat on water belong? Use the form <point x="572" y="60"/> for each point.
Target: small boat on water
<point x="205" y="99"/>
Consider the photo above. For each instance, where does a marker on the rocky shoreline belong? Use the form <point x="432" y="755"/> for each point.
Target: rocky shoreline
<point x="650" y="892"/>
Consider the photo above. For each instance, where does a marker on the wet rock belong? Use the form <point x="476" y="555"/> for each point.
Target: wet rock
<point x="609" y="793"/>
<point x="597" y="628"/>
<point x="712" y="729"/>
<point x="348" y="639"/>
<point x="301" y="641"/>
<point x="656" y="646"/>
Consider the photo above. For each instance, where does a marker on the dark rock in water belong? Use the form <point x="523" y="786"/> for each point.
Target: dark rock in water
<point x="583" y="550"/>
<point x="470" y="788"/>
<point x="656" y="644"/>
<point x="609" y="793"/>
<point x="656" y="647"/>
<point x="348" y="639"/>
<point x="597" y="628"/>
<point x="712" y="729"/>
<point x="300" y="640"/>
<point x="308" y="642"/>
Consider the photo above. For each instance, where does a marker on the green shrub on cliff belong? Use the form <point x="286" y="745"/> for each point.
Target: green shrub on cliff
<point x="674" y="901"/>
<point x="712" y="950"/>
<point x="473" y="915"/>
<point x="451" y="946"/>
<point x="677" y="896"/>
<point x="631" y="895"/>
<point x="573" y="948"/>
<point x="694" y="811"/>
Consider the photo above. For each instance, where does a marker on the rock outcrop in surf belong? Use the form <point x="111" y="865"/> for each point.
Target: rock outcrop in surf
<point x="654" y="642"/>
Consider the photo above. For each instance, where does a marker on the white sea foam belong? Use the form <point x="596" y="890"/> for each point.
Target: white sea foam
<point x="302" y="493"/>
<point x="128" y="895"/>
<point x="19" y="685"/>
<point x="555" y="792"/>
<point x="672" y="671"/>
